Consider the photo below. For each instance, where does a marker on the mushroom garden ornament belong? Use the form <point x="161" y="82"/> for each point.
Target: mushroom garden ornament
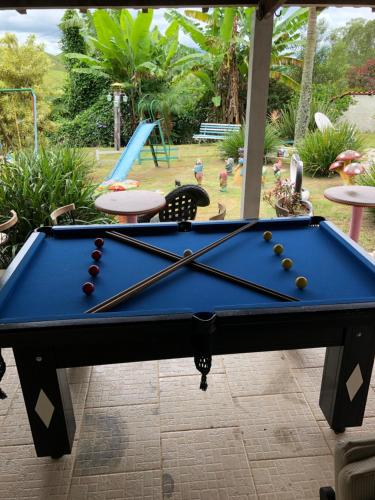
<point x="342" y="165"/>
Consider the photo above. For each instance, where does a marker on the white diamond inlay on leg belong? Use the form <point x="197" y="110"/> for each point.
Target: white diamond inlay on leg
<point x="354" y="382"/>
<point x="44" y="408"/>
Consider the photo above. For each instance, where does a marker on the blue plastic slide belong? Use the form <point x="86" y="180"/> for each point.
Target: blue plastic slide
<point x="131" y="152"/>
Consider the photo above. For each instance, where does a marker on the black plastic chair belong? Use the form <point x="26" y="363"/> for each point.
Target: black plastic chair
<point x="182" y="204"/>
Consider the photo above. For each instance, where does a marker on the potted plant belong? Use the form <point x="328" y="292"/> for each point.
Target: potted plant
<point x="286" y="201"/>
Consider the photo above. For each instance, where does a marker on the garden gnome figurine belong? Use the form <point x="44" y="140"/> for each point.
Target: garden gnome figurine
<point x="198" y="171"/>
<point x="223" y="178"/>
<point x="238" y="172"/>
<point x="277" y="168"/>
<point x="229" y="164"/>
<point x="264" y="172"/>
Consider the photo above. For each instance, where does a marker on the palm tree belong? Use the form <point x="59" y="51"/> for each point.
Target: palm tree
<point x="303" y="111"/>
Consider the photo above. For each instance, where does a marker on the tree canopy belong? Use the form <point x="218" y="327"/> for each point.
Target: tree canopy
<point x="22" y="65"/>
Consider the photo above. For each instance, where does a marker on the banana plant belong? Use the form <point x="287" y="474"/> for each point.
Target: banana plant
<point x="129" y="51"/>
<point x="223" y="37"/>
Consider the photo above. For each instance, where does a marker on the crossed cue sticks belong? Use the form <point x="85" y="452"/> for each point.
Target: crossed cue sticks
<point x="126" y="294"/>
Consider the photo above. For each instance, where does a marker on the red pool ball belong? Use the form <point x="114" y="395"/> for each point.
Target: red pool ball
<point x="99" y="242"/>
<point x="96" y="254"/>
<point x="88" y="287"/>
<point x="94" y="270"/>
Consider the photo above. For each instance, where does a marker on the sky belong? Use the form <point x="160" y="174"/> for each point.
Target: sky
<point x="44" y="23"/>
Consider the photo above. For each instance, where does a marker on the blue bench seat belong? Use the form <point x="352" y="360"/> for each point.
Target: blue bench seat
<point x="215" y="131"/>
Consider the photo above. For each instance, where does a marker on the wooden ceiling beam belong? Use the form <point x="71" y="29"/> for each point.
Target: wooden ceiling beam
<point x="267" y="8"/>
<point x="96" y="4"/>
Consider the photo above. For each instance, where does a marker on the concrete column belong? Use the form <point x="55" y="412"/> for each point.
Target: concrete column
<point x="256" y="114"/>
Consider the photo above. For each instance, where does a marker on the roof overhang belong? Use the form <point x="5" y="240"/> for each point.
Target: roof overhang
<point x="269" y="5"/>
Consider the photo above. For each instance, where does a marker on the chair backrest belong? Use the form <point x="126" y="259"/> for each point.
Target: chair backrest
<point x="222" y="212"/>
<point x="4" y="226"/>
<point x="10" y="222"/>
<point x="183" y="202"/>
<point x="67" y="209"/>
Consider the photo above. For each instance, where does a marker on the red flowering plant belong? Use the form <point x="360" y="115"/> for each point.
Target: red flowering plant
<point x="283" y="195"/>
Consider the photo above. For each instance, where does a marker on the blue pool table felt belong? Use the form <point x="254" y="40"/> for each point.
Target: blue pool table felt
<point x="47" y="285"/>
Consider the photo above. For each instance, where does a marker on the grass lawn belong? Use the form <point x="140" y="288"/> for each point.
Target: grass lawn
<point x="163" y="179"/>
<point x="369" y="140"/>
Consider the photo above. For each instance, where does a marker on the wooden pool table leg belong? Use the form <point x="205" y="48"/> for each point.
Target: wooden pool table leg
<point x="48" y="402"/>
<point x="346" y="379"/>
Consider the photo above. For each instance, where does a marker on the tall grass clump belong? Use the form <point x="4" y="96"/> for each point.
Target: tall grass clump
<point x="367" y="179"/>
<point x="229" y="146"/>
<point x="319" y="149"/>
<point x="34" y="186"/>
<point x="286" y="121"/>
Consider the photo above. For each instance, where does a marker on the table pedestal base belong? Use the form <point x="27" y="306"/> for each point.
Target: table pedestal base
<point x="355" y="224"/>
<point x="127" y="219"/>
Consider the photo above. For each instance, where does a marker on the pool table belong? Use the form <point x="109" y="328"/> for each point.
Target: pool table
<point x="189" y="313"/>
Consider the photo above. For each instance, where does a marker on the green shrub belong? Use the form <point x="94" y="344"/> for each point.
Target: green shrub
<point x="34" y="186"/>
<point x="229" y="146"/>
<point x="319" y="149"/>
<point x="368" y="179"/>
<point x="286" y="123"/>
<point x="93" y="126"/>
<point x="279" y="95"/>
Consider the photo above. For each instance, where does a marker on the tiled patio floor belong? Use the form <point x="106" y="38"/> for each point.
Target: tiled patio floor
<point x="146" y="431"/>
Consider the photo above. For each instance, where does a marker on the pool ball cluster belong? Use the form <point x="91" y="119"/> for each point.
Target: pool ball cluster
<point x="301" y="281"/>
<point x="94" y="269"/>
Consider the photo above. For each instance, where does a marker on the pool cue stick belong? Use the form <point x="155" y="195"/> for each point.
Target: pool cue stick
<point x="111" y="302"/>
<point x="201" y="267"/>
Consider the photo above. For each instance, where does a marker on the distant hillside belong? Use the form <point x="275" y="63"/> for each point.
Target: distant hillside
<point x="55" y="78"/>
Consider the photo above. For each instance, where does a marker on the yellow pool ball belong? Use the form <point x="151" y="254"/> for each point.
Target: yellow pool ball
<point x="278" y="249"/>
<point x="301" y="282"/>
<point x="267" y="235"/>
<point x="287" y="263"/>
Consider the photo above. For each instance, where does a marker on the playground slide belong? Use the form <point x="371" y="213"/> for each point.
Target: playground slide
<point x="131" y="152"/>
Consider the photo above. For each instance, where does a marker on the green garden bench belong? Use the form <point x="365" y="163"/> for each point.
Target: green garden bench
<point x="215" y="131"/>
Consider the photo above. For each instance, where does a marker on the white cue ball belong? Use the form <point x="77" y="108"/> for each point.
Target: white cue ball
<point x="187" y="252"/>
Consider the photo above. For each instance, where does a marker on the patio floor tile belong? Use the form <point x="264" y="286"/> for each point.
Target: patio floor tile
<point x="183" y="406"/>
<point x="143" y="485"/>
<point x="9" y="385"/>
<point x="305" y="358"/>
<point x="25" y="476"/>
<point x="7" y="354"/>
<point x="79" y="375"/>
<point x="15" y="429"/>
<point x="292" y="478"/>
<point x="365" y="431"/>
<point x="309" y="381"/>
<point x="259" y="373"/>
<point x="123" y="384"/>
<point x="119" y="439"/>
<point x="279" y="426"/>
<point x="206" y="465"/>
<point x="186" y="366"/>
